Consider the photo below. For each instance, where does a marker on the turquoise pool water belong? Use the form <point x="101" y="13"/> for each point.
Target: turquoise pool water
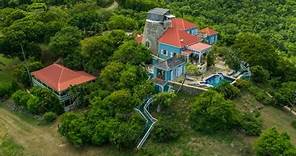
<point x="217" y="79"/>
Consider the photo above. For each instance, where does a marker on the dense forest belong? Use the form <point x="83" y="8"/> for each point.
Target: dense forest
<point x="97" y="36"/>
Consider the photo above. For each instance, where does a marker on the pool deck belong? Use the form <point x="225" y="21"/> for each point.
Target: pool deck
<point x="219" y="67"/>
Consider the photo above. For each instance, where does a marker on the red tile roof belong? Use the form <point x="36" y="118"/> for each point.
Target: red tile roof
<point x="178" y="38"/>
<point x="60" y="78"/>
<point x="208" y="31"/>
<point x="182" y="24"/>
<point x="199" y="47"/>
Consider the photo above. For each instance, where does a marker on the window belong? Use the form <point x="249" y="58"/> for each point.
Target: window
<point x="147" y="44"/>
<point x="164" y="52"/>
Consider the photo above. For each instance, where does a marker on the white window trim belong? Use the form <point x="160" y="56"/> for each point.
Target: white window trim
<point x="162" y="52"/>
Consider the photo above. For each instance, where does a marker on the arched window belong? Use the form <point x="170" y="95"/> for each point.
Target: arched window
<point x="147" y="44"/>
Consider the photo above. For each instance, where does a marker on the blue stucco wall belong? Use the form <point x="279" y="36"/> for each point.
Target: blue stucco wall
<point x="193" y="31"/>
<point x="170" y="50"/>
<point x="212" y="39"/>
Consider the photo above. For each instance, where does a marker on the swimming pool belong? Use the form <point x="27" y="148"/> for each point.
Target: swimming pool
<point x="216" y="79"/>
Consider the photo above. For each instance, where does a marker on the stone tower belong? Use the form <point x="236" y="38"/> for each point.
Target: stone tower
<point x="157" y="22"/>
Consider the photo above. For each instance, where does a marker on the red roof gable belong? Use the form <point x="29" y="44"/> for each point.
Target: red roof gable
<point x="182" y="24"/>
<point x="208" y="31"/>
<point x="60" y="78"/>
<point x="178" y="38"/>
<point x="199" y="47"/>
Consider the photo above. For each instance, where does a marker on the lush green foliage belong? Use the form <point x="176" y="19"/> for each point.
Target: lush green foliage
<point x="229" y="91"/>
<point x="259" y="74"/>
<point x="38" y="101"/>
<point x="164" y="100"/>
<point x="49" y="116"/>
<point x="21" y="97"/>
<point x="140" y="4"/>
<point x="131" y="52"/>
<point x="109" y="120"/>
<point x="211" y="112"/>
<point x="294" y="124"/>
<point x="165" y="131"/>
<point x="6" y="89"/>
<point x="286" y="94"/>
<point x="65" y="41"/>
<point x="122" y="22"/>
<point x="192" y="69"/>
<point x="104" y="3"/>
<point x="211" y="57"/>
<point x="271" y="142"/>
<point x="22" y="72"/>
<point x="261" y="95"/>
<point x="273" y="20"/>
<point x="8" y="147"/>
<point x="251" y="124"/>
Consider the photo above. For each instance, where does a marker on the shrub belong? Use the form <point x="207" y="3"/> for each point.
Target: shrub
<point x="259" y="74"/>
<point x="165" y="131"/>
<point x="5" y="89"/>
<point x="229" y="91"/>
<point x="261" y="96"/>
<point x="242" y="84"/>
<point x="192" y="69"/>
<point x="20" y="98"/>
<point x="211" y="59"/>
<point x="294" y="124"/>
<point x="251" y="124"/>
<point x="211" y="112"/>
<point x="49" y="116"/>
<point x="104" y="3"/>
<point x="271" y="142"/>
<point x="33" y="104"/>
<point x="164" y="100"/>
<point x="286" y="94"/>
<point x="47" y="101"/>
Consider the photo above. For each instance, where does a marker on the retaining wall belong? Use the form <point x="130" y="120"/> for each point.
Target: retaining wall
<point x="192" y="90"/>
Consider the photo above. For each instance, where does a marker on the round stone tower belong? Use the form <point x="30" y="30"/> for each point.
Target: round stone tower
<point x="157" y="22"/>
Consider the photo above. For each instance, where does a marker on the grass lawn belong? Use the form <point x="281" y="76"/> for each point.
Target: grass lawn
<point x="5" y="72"/>
<point x="8" y="147"/>
<point x="271" y="116"/>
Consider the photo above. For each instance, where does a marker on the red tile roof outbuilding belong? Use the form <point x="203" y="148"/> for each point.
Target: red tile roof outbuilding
<point x="208" y="31"/>
<point x="60" y="78"/>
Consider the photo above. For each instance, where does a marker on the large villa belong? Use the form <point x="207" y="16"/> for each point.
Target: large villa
<point x="174" y="42"/>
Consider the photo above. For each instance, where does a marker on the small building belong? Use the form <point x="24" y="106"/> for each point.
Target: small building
<point x="168" y="70"/>
<point x="210" y="36"/>
<point x="59" y="79"/>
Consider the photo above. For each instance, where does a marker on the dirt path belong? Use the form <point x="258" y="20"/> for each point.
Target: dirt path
<point x="39" y="140"/>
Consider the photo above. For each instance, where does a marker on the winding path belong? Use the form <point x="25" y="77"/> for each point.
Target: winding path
<point x="150" y="121"/>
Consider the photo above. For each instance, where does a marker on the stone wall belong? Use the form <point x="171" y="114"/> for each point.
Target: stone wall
<point x="152" y="32"/>
<point x="192" y="90"/>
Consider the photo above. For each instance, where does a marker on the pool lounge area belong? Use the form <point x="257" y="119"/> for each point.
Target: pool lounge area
<point x="216" y="79"/>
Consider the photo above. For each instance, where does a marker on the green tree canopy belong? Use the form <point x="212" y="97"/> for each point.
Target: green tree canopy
<point x="131" y="52"/>
<point x="286" y="94"/>
<point x="272" y="142"/>
<point x="256" y="51"/>
<point x="211" y="112"/>
<point x="65" y="41"/>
